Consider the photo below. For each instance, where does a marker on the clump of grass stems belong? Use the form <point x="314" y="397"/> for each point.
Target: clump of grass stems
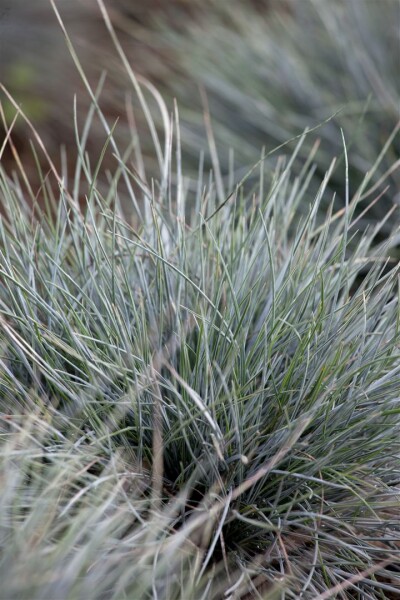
<point x="202" y="400"/>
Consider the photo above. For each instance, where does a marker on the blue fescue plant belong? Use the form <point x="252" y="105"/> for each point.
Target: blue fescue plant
<point x="200" y="395"/>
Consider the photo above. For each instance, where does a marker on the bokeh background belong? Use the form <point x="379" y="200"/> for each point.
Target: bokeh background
<point x="267" y="68"/>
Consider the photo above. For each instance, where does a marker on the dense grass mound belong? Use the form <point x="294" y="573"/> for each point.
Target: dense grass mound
<point x="208" y="402"/>
<point x="200" y="400"/>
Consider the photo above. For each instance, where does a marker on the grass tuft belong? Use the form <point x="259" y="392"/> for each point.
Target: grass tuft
<point x="200" y="394"/>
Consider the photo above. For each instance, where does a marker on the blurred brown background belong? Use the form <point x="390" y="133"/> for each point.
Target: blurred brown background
<point x="269" y="68"/>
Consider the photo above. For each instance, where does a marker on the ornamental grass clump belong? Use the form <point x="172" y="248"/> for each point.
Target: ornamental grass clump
<point x="200" y="394"/>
